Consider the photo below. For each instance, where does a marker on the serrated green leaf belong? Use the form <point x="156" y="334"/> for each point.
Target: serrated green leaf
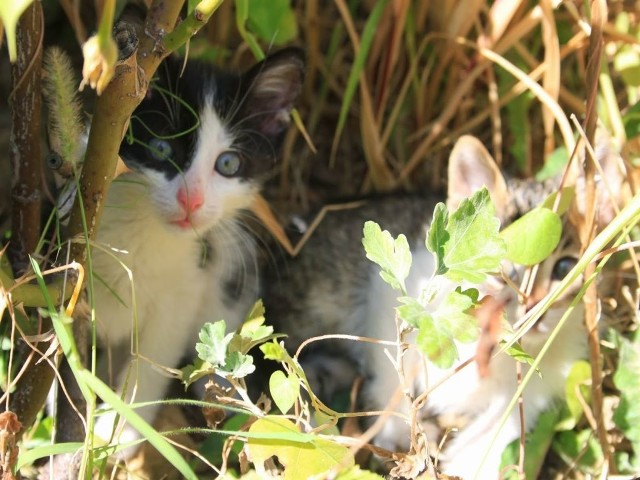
<point x="392" y="255"/>
<point x="474" y="247"/>
<point x="436" y="343"/>
<point x="301" y="460"/>
<point x="451" y="316"/>
<point x="411" y="311"/>
<point x="273" y="21"/>
<point x="253" y="330"/>
<point x="195" y="371"/>
<point x="274" y="351"/>
<point x="438" y="236"/>
<point x="255" y="317"/>
<point x="237" y="365"/>
<point x="437" y="330"/>
<point x="284" y="390"/>
<point x="533" y="237"/>
<point x="213" y="346"/>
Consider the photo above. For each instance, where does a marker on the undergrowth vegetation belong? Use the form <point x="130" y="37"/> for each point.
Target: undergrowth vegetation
<point x="391" y="85"/>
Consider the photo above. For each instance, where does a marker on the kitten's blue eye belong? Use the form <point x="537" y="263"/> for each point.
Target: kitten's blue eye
<point x="228" y="164"/>
<point x="562" y="267"/>
<point x="161" y="150"/>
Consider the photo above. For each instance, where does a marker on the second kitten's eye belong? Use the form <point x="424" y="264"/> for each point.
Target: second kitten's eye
<point x="228" y="164"/>
<point x="562" y="267"/>
<point x="161" y="150"/>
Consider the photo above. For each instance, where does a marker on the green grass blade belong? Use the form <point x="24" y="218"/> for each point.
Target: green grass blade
<point x="167" y="450"/>
<point x="30" y="456"/>
<point x="358" y="65"/>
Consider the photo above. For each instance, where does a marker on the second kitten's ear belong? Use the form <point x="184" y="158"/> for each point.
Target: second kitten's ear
<point x="272" y="89"/>
<point x="470" y="168"/>
<point x="612" y="187"/>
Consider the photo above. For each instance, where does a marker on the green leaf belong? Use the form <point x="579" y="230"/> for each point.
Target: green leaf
<point x="213" y="447"/>
<point x="436" y="343"/>
<point x="237" y="365"/>
<point x="626" y="379"/>
<point x="28" y="457"/>
<point x="253" y="326"/>
<point x="10" y="12"/>
<point x="437" y="330"/>
<point x="451" y="315"/>
<point x="359" y="64"/>
<point x="578" y="393"/>
<point x="274" y="351"/>
<point x="472" y="293"/>
<point x="284" y="390"/>
<point x="474" y="247"/>
<point x="411" y="311"/>
<point x="565" y="201"/>
<point x="355" y="473"/>
<point x="516" y="352"/>
<point x="242" y="17"/>
<point x="580" y="449"/>
<point x="533" y="237"/>
<point x="213" y="346"/>
<point x="300" y="459"/>
<point x="554" y="164"/>
<point x="273" y="21"/>
<point x="537" y="444"/>
<point x="393" y="256"/>
<point x="438" y="236"/>
<point x="253" y="331"/>
<point x="195" y="371"/>
<point x="627" y="63"/>
<point x="631" y="120"/>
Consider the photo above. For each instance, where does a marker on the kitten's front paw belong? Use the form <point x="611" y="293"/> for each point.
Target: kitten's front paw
<point x="118" y="433"/>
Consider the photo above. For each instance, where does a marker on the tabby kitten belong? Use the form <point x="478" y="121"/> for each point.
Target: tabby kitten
<point x="332" y="288"/>
<point x="172" y="251"/>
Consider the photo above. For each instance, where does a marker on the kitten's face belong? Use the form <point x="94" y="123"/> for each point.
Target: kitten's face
<point x="471" y="167"/>
<point x="203" y="141"/>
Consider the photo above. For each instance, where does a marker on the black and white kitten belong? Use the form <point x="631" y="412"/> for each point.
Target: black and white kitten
<point x="171" y="251"/>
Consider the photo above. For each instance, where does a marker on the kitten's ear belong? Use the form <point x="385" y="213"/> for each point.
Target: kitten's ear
<point x="273" y="86"/>
<point x="470" y="168"/>
<point x="611" y="185"/>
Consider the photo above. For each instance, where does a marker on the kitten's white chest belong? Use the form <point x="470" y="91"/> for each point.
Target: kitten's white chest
<point x="147" y="273"/>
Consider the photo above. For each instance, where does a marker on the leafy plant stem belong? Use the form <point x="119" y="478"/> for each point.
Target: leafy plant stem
<point x="106" y="23"/>
<point x="190" y="25"/>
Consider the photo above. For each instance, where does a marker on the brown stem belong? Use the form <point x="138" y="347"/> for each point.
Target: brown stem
<point x="25" y="148"/>
<point x="26" y="155"/>
<point x="599" y="15"/>
<point x="113" y="110"/>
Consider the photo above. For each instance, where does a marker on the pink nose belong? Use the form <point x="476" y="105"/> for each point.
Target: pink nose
<point x="191" y="200"/>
